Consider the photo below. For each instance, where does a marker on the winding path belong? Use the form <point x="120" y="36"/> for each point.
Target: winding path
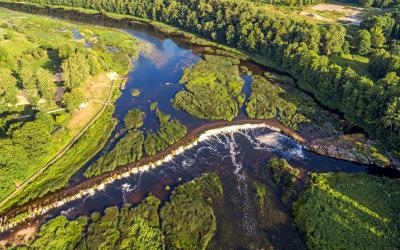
<point x="61" y="153"/>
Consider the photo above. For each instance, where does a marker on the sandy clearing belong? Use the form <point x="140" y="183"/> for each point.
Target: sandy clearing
<point x="353" y="14"/>
<point x="95" y="91"/>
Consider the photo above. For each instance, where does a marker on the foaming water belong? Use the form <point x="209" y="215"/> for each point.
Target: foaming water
<point x="233" y="152"/>
<point x="279" y="142"/>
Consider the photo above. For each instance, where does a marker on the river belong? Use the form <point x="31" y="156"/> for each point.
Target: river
<point x="238" y="155"/>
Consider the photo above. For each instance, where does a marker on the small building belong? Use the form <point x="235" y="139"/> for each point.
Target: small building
<point x="59" y="94"/>
<point x="83" y="105"/>
<point x="59" y="77"/>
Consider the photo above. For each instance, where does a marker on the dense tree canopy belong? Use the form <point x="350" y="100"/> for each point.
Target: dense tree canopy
<point x="265" y="102"/>
<point x="8" y="90"/>
<point x="213" y="89"/>
<point x="134" y="119"/>
<point x="141" y="227"/>
<point x="349" y="211"/>
<point x="128" y="149"/>
<point x="300" y="47"/>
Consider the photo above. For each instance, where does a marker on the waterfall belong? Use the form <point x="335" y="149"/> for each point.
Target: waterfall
<point x="227" y="132"/>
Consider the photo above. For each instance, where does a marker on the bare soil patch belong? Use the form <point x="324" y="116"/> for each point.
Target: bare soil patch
<point x="95" y="91"/>
<point x="335" y="12"/>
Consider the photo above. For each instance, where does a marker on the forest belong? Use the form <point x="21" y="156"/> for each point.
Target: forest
<point x="363" y="3"/>
<point x="349" y="211"/>
<point x="335" y="210"/>
<point x="149" y="225"/>
<point x="304" y="49"/>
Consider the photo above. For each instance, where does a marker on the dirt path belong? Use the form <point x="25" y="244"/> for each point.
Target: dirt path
<point x="60" y="154"/>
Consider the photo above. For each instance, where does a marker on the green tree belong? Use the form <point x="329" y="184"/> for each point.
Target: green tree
<point x="8" y="90"/>
<point x="377" y="37"/>
<point x="395" y="47"/>
<point x="28" y="81"/>
<point x="93" y="60"/>
<point x="366" y="3"/>
<point x="392" y="115"/>
<point x="134" y="119"/>
<point x="45" y="83"/>
<point x="76" y="70"/>
<point x="363" y="42"/>
<point x="334" y="39"/>
<point x="73" y="99"/>
<point x="142" y="236"/>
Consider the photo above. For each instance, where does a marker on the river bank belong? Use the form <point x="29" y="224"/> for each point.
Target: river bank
<point x="14" y="215"/>
<point x="355" y="150"/>
<point x="36" y="210"/>
<point x="90" y="186"/>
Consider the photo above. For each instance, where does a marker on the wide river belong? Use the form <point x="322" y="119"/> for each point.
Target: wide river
<point x="236" y="155"/>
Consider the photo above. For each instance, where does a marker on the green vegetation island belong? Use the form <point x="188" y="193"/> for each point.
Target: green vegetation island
<point x="337" y="71"/>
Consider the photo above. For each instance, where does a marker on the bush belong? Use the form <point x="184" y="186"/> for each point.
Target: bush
<point x="134" y="119"/>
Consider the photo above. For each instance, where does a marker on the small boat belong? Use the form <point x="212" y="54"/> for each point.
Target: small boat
<point x="122" y="87"/>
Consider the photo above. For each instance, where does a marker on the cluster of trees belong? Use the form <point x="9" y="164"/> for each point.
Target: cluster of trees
<point x="26" y="144"/>
<point x="284" y="176"/>
<point x="213" y="89"/>
<point x="30" y="67"/>
<point x="61" y="172"/>
<point x="300" y="47"/>
<point x="289" y="2"/>
<point x="36" y="83"/>
<point x="8" y="90"/>
<point x="374" y="3"/>
<point x="169" y="133"/>
<point x="143" y="226"/>
<point x="128" y="149"/>
<point x="32" y="49"/>
<point x="78" y="63"/>
<point x="349" y="211"/>
<point x="59" y="233"/>
<point x="190" y="202"/>
<point x="363" y="3"/>
<point x="265" y="102"/>
<point x="134" y="119"/>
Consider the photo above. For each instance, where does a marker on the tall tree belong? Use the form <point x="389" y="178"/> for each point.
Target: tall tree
<point x="45" y="83"/>
<point x="334" y="39"/>
<point x="377" y="37"/>
<point x="76" y="70"/>
<point x="8" y="89"/>
<point x="363" y="42"/>
<point x="73" y="99"/>
<point x="28" y="81"/>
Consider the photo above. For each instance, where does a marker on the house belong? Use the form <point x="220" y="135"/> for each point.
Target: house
<point x="59" y="77"/>
<point x="59" y="94"/>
